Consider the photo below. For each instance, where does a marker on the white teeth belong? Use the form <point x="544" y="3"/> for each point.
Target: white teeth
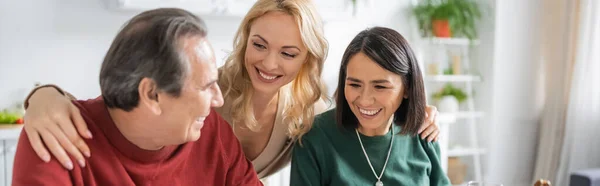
<point x="200" y="119"/>
<point x="266" y="76"/>
<point x="369" y="112"/>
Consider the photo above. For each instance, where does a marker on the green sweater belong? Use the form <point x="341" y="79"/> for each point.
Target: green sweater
<point x="330" y="155"/>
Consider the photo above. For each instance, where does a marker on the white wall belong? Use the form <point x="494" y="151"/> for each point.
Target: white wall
<point x="516" y="100"/>
<point x="339" y="33"/>
<point x="64" y="42"/>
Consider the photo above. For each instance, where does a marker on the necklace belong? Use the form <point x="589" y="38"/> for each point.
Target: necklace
<point x="378" y="183"/>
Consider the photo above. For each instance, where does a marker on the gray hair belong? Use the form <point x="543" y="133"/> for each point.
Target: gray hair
<point x="148" y="46"/>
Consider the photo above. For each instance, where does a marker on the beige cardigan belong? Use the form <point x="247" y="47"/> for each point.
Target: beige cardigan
<point x="278" y="151"/>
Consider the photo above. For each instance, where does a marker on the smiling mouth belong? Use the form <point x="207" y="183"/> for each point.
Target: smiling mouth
<point x="266" y="76"/>
<point x="369" y="112"/>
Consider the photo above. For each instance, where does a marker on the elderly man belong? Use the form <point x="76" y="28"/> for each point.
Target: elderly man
<point x="158" y="83"/>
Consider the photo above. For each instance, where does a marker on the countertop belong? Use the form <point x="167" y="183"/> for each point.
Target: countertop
<point x="10" y="131"/>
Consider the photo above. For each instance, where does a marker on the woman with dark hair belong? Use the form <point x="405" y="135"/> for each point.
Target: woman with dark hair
<point x="370" y="138"/>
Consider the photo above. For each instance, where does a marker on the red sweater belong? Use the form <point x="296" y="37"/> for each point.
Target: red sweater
<point x="213" y="160"/>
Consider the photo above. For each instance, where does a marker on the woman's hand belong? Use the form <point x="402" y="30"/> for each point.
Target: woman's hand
<point x="429" y="129"/>
<point x="52" y="116"/>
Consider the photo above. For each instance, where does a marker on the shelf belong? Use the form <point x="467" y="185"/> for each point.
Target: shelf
<point x="467" y="182"/>
<point x="458" y="152"/>
<point x="461" y="115"/>
<point x="10" y="131"/>
<point x="453" y="78"/>
<point x="445" y="117"/>
<point x="452" y="41"/>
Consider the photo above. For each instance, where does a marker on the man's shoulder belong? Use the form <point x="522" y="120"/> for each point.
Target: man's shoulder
<point x="29" y="169"/>
<point x="89" y="106"/>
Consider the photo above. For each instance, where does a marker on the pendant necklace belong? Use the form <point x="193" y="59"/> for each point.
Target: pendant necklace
<point x="378" y="183"/>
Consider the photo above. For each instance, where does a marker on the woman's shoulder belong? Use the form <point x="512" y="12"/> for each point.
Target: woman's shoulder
<point x="325" y="118"/>
<point x="324" y="124"/>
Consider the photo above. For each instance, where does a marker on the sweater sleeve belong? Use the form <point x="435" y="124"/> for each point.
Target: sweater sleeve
<point x="30" y="170"/>
<point x="240" y="171"/>
<point x="58" y="89"/>
<point x="437" y="176"/>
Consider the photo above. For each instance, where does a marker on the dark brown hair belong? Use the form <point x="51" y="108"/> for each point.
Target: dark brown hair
<point x="148" y="46"/>
<point x="390" y="51"/>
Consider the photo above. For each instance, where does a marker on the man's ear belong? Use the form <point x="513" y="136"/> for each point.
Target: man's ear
<point x="148" y="93"/>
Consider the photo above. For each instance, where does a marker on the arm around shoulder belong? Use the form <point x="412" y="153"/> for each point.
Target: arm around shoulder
<point x="57" y="88"/>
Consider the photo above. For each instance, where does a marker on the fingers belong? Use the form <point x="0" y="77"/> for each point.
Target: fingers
<point x="56" y="150"/>
<point x="432" y="113"/>
<point x="81" y="128"/>
<point x="80" y="123"/>
<point x="437" y="129"/>
<point x="428" y="131"/>
<point x="433" y="135"/>
<point x="430" y="118"/>
<point x="423" y="126"/>
<point x="67" y="137"/>
<point x="36" y="143"/>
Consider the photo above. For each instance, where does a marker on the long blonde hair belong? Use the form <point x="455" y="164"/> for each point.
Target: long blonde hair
<point x="302" y="93"/>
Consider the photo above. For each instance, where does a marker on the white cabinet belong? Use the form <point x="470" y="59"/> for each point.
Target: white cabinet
<point x="9" y="135"/>
<point x="10" y="148"/>
<point x="3" y="179"/>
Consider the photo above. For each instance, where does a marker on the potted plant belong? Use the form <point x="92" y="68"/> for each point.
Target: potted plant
<point x="449" y="98"/>
<point x="447" y="18"/>
<point x="10" y="117"/>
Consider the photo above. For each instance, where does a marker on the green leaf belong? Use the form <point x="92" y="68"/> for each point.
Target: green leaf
<point x="462" y="16"/>
<point x="450" y="90"/>
<point x="7" y="117"/>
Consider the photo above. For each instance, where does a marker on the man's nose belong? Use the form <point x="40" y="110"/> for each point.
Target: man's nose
<point x="217" y="98"/>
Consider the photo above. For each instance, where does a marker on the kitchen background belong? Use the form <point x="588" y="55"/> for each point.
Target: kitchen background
<point x="504" y="72"/>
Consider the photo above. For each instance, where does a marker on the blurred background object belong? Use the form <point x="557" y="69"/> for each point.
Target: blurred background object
<point x="517" y="82"/>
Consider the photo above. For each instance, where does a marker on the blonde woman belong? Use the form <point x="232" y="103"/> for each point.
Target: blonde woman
<point x="271" y="84"/>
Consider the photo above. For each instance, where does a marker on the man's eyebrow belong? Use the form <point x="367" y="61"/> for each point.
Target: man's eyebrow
<point x="205" y="86"/>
